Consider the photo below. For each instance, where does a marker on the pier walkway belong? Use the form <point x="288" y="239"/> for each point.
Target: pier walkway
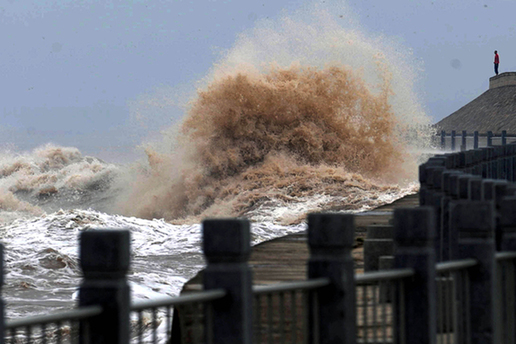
<point x="284" y="259"/>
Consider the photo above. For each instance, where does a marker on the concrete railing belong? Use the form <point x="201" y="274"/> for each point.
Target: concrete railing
<point x="463" y="140"/>
<point x="472" y="196"/>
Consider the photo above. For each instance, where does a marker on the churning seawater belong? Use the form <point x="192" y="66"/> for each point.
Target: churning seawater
<point x="53" y="193"/>
<point x="304" y="113"/>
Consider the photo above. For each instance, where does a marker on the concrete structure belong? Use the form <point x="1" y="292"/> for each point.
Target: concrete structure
<point x="415" y="235"/>
<point x="501" y="80"/>
<point x="494" y="110"/>
<point x="378" y="243"/>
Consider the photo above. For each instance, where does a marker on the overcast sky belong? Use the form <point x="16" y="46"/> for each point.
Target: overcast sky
<point x="76" y="72"/>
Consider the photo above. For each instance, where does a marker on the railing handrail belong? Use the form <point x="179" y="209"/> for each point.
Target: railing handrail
<point x="495" y="135"/>
<point x="455" y="265"/>
<point x="202" y="296"/>
<point x="507" y="255"/>
<point x="386" y="275"/>
<point x="75" y="314"/>
<point x="291" y="286"/>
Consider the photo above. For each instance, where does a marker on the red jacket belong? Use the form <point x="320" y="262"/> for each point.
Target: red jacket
<point x="497" y="59"/>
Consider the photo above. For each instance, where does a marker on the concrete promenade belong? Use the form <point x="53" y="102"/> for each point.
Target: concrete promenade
<point x="284" y="259"/>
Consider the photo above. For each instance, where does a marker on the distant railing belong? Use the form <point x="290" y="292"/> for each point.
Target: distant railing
<point x="378" y="295"/>
<point x="463" y="140"/>
<point x="54" y="328"/>
<point x="280" y="311"/>
<point x="453" y="302"/>
<point x="191" y="330"/>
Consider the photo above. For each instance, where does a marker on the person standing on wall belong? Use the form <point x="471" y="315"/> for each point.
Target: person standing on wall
<point x="496" y="62"/>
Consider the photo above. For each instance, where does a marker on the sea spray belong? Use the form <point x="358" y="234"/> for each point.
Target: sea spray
<point x="50" y="178"/>
<point x="253" y="137"/>
<point x="268" y="136"/>
<point x="297" y="109"/>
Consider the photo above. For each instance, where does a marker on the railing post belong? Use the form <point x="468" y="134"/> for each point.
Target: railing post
<point x="496" y="190"/>
<point x="454" y="185"/>
<point x="500" y="162"/>
<point x="475" y="189"/>
<point x="512" y="162"/>
<point x="104" y="257"/>
<point x="491" y="171"/>
<point x="475" y="140"/>
<point x="424" y="178"/>
<point x="378" y="242"/>
<point x="487" y="189"/>
<point x="414" y="236"/>
<point x="422" y="184"/>
<point x="495" y="170"/>
<point x="453" y="140"/>
<point x="330" y="239"/>
<point x="469" y="157"/>
<point x="226" y="245"/>
<point x="485" y="164"/>
<point x="508" y="162"/>
<point x="443" y="139"/>
<point x="463" y="192"/>
<point x="463" y="186"/>
<point x="489" y="138"/>
<point x="500" y="191"/>
<point x="504" y="137"/>
<point x="434" y="199"/>
<point x="464" y="145"/>
<point x="475" y="224"/>
<point x="508" y="224"/>
<point x="478" y="159"/>
<point x="508" y="243"/>
<point x="445" y="214"/>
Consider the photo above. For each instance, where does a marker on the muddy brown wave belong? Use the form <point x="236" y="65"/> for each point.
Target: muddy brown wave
<point x="289" y="133"/>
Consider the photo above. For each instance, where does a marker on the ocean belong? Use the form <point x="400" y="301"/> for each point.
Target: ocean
<point x="51" y="194"/>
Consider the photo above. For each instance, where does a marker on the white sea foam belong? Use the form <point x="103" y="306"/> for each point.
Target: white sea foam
<point x="41" y="256"/>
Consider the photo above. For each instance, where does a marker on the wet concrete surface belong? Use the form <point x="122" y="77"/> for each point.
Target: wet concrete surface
<point x="284" y="259"/>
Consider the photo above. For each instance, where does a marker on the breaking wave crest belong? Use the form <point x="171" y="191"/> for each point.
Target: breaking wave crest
<point x="51" y="177"/>
<point x="303" y="112"/>
<point x="288" y="135"/>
